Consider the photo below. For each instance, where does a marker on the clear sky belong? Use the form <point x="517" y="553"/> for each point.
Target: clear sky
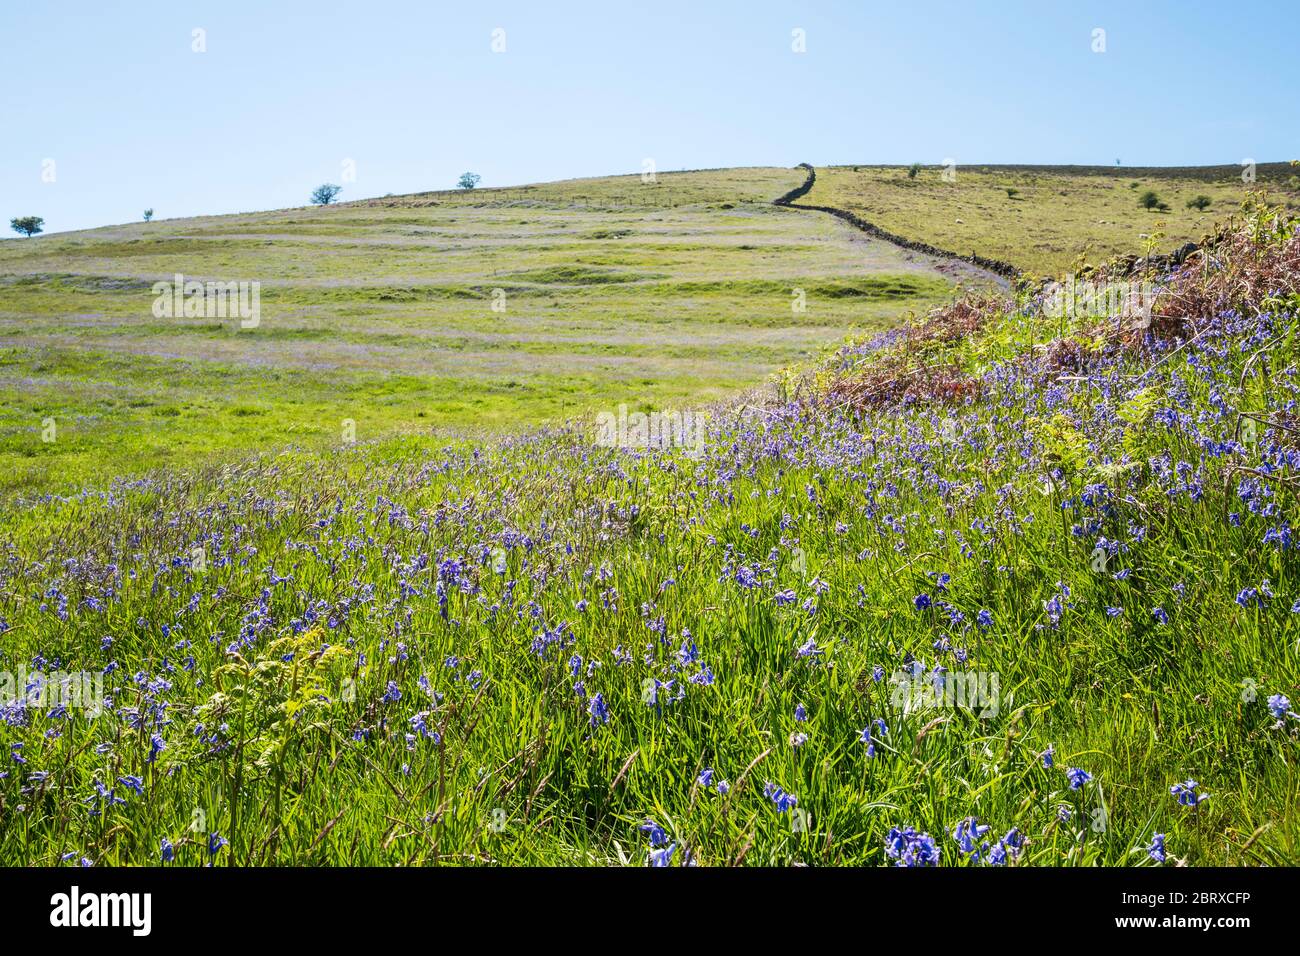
<point x="413" y="94"/>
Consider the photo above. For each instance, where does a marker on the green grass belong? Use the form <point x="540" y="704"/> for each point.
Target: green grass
<point x="1059" y="216"/>
<point x="389" y="652"/>
<point x="381" y="312"/>
<point x="519" y="775"/>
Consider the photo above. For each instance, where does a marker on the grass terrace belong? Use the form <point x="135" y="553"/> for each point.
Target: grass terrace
<point x="453" y="314"/>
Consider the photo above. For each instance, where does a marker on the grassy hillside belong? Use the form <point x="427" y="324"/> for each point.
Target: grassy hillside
<point x="1055" y="216"/>
<point x="381" y="312"/>
<point x="542" y="651"/>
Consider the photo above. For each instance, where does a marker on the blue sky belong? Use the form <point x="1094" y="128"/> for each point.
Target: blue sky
<point x="413" y="93"/>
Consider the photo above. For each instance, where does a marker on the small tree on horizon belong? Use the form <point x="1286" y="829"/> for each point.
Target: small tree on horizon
<point x="27" y="225"/>
<point x="1200" y="203"/>
<point x="148" y="214"/>
<point x="468" y="180"/>
<point x="913" y="170"/>
<point x="325" y="194"/>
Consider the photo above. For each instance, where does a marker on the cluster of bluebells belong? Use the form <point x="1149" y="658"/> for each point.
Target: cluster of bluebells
<point x="866" y="738"/>
<point x="784" y="801"/>
<point x="662" y="849"/>
<point x="970" y="834"/>
<point x="908" y="847"/>
<point x="421" y="564"/>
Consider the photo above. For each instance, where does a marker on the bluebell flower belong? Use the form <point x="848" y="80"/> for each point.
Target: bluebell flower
<point x="984" y="619"/>
<point x="654" y="832"/>
<point x="1077" y="777"/>
<point x="1278" y="706"/>
<point x="1054" y="609"/>
<point x="688" y="653"/>
<point x="910" y="848"/>
<point x="1187" y="793"/>
<point x="784" y="801"/>
<point x="800" y="713"/>
<point x="1013" y="842"/>
<point x="168" y="852"/>
<point x="420" y="725"/>
<point x="598" y="710"/>
<point x="866" y="739"/>
<point x="1157" y="848"/>
<point x="1049" y="756"/>
<point x="706" y="777"/>
<point x="967" y="834"/>
<point x="663" y="856"/>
